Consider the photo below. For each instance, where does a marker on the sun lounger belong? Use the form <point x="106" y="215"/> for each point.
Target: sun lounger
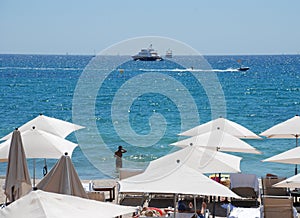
<point x="278" y="207"/>
<point x="132" y="200"/>
<point x="268" y="189"/>
<point x="246" y="186"/>
<point x="161" y="202"/>
<point x="98" y="196"/>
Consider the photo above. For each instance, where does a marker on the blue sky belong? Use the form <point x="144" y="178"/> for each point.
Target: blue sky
<point x="211" y="27"/>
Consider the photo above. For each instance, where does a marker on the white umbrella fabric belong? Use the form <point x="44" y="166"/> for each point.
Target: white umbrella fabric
<point x="289" y="129"/>
<point x="40" y="144"/>
<point x="201" y="159"/>
<point x="223" y="124"/>
<point x="63" y="179"/>
<point x="218" y="140"/>
<point x="291" y="156"/>
<point x="17" y="180"/>
<point x="292" y="182"/>
<point x="48" y="124"/>
<point x="175" y="178"/>
<point x="40" y="204"/>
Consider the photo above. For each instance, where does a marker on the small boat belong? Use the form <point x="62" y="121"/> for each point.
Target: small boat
<point x="148" y="54"/>
<point x="169" y="53"/>
<point x="243" y="68"/>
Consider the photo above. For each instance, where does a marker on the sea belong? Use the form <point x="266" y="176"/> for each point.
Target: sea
<point x="143" y="106"/>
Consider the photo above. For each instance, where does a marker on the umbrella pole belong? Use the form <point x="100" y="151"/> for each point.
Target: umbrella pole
<point x="214" y="207"/>
<point x="175" y="205"/>
<point x="33" y="173"/>
<point x="195" y="202"/>
<point x="296" y="170"/>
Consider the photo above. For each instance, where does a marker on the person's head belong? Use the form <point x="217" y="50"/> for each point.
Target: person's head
<point x="120" y="147"/>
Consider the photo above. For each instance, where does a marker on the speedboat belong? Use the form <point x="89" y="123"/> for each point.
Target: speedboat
<point x="147" y="54"/>
<point x="243" y="68"/>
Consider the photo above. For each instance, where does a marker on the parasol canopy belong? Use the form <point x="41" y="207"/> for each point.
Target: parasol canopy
<point x="223" y="124"/>
<point x="17" y="182"/>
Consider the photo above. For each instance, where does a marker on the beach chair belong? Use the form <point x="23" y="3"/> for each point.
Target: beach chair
<point x="268" y="189"/>
<point x="132" y="200"/>
<point x="246" y="186"/>
<point x="250" y="197"/>
<point x="277" y="207"/>
<point x="98" y="196"/>
<point x="161" y="201"/>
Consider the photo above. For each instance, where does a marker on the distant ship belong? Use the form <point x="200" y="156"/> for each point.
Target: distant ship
<point x="148" y="54"/>
<point x="169" y="53"/>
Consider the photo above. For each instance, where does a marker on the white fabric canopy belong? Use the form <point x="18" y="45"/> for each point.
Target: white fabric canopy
<point x="201" y="159"/>
<point x="174" y="178"/>
<point x="218" y="140"/>
<point x="40" y="204"/>
<point x="223" y="124"/>
<point x="291" y="156"/>
<point x="287" y="129"/>
<point x="52" y="125"/>
<point x="17" y="180"/>
<point x="292" y="182"/>
<point x="63" y="179"/>
<point x="40" y="144"/>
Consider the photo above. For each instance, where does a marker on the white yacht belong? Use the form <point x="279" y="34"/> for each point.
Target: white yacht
<point x="169" y="53"/>
<point x="148" y="54"/>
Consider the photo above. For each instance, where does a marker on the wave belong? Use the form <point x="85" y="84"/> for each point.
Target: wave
<point x="189" y="70"/>
<point x="40" y="68"/>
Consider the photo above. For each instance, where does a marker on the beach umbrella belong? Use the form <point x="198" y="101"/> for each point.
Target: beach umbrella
<point x="201" y="159"/>
<point x="223" y="124"/>
<point x="291" y="156"/>
<point x="17" y="180"/>
<point x="48" y="124"/>
<point x="218" y="140"/>
<point x="41" y="204"/>
<point x="175" y="178"/>
<point x="63" y="179"/>
<point x="292" y="182"/>
<point x="289" y="129"/>
<point x="40" y="144"/>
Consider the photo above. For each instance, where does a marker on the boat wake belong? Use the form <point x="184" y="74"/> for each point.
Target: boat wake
<point x="189" y="70"/>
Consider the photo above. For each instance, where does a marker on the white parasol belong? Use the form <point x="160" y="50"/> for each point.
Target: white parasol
<point x="17" y="180"/>
<point x="218" y="140"/>
<point x="40" y="204"/>
<point x="289" y="129"/>
<point x="223" y="124"/>
<point x="48" y="124"/>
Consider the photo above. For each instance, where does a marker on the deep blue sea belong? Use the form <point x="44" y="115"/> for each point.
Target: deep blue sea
<point x="144" y="105"/>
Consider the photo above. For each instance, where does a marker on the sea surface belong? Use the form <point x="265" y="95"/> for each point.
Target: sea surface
<point x="144" y="105"/>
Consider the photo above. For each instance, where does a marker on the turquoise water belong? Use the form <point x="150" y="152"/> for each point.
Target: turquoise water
<point x="259" y="98"/>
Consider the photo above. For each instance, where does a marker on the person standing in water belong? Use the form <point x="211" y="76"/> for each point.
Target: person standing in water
<point x="118" y="156"/>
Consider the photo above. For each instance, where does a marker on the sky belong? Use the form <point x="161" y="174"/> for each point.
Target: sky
<point x="209" y="26"/>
